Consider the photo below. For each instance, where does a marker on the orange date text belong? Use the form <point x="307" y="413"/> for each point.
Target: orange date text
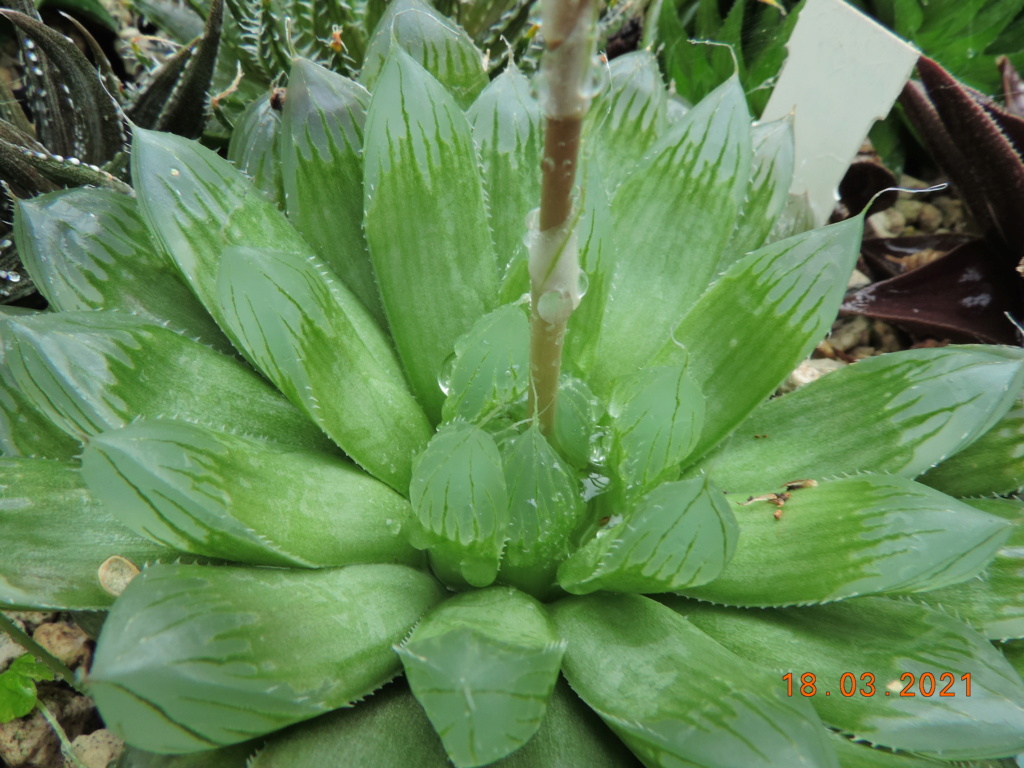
<point x="909" y="684"/>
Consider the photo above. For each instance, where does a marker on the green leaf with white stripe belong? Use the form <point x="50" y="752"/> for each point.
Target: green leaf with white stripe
<point x="854" y="536"/>
<point x="916" y="408"/>
<point x="491" y="366"/>
<point x="675" y="696"/>
<point x="254" y="147"/>
<point x="460" y="505"/>
<point x="313" y="339"/>
<point x="545" y="508"/>
<point x="434" y="41"/>
<point x="761" y="318"/>
<point x="426" y="221"/>
<point x="898" y="644"/>
<point x="93" y="371"/>
<point x="88" y="249"/>
<point x="854" y="754"/>
<point x="695" y="177"/>
<point x="679" y="535"/>
<point x="194" y="657"/>
<point x="56" y="537"/>
<point x="195" y="204"/>
<point x="322" y="166"/>
<point x="768" y="192"/>
<point x="993" y="464"/>
<point x="992" y="602"/>
<point x="483" y="665"/>
<point x="658" y="415"/>
<point x="628" y="116"/>
<point x="212" y="493"/>
<point x="507" y="127"/>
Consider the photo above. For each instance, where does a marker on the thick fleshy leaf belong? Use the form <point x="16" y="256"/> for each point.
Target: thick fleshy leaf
<point x="313" y="339"/>
<point x="460" y="504"/>
<point x="545" y="507"/>
<point x="694" y="177"/>
<point x="195" y="204"/>
<point x="627" y="117"/>
<point x="72" y="111"/>
<point x="322" y="166"/>
<point x="235" y="756"/>
<point x="89" y="249"/>
<point x="426" y="220"/>
<point x="56" y="537"/>
<point x="675" y="696"/>
<point x="658" y="415"/>
<point x="390" y="728"/>
<point x="254" y="147"/>
<point x="483" y="666"/>
<point x="491" y="366"/>
<point x="93" y="371"/>
<point x="859" y="754"/>
<point x="768" y="192"/>
<point x="853" y="536"/>
<point x="507" y="126"/>
<point x="578" y="412"/>
<point x="194" y="657"/>
<point x="212" y="493"/>
<point x="993" y="602"/>
<point x="678" y="535"/>
<point x="914" y="409"/>
<point x="763" y="317"/>
<point x="435" y="42"/>
<point x="921" y="680"/>
<point x="992" y="464"/>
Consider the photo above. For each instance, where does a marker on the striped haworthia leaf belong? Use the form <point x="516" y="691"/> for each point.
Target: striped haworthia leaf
<point x="212" y="493"/>
<point x="56" y="537"/>
<point x="899" y="658"/>
<point x="853" y="536"/>
<point x="196" y="657"/>
<point x="678" y="535"/>
<point x="916" y="408"/>
<point x="93" y="371"/>
<point x="675" y="696"/>
<point x="483" y="665"/>
<point x="254" y="147"/>
<point x="314" y="340"/>
<point x="426" y="220"/>
<point x="460" y="504"/>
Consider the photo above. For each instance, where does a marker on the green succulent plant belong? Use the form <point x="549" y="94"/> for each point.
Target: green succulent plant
<point x="359" y="434"/>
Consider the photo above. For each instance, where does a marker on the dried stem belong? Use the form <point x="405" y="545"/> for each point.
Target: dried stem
<point x="568" y="28"/>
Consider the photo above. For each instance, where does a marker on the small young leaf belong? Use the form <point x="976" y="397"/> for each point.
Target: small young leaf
<point x="194" y="657"/>
<point x="680" y="534"/>
<point x="545" y="507"/>
<point x="18" y="687"/>
<point x="675" y="696"/>
<point x="483" y="665"/>
<point x="578" y="411"/>
<point x="761" y="318"/>
<point x="903" y="649"/>
<point x="89" y="249"/>
<point x="917" y="407"/>
<point x="460" y="504"/>
<point x="658" y="415"/>
<point x="854" y="536"/>
<point x="768" y="192"/>
<point x="694" y="178"/>
<point x="313" y="339"/>
<point x="56" y="537"/>
<point x="221" y="495"/>
<point x="491" y="366"/>
<point x="426" y="221"/>
<point x="992" y="464"/>
<point x="628" y="116"/>
<point x="507" y="126"/>
<point x="254" y="147"/>
<point x="322" y="165"/>
<point x="435" y="42"/>
<point x="93" y="371"/>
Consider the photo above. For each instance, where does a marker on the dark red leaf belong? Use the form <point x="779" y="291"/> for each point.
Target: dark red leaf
<point x="887" y="256"/>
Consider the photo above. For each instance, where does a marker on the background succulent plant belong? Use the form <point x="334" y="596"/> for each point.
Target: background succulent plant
<point x="368" y="428"/>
